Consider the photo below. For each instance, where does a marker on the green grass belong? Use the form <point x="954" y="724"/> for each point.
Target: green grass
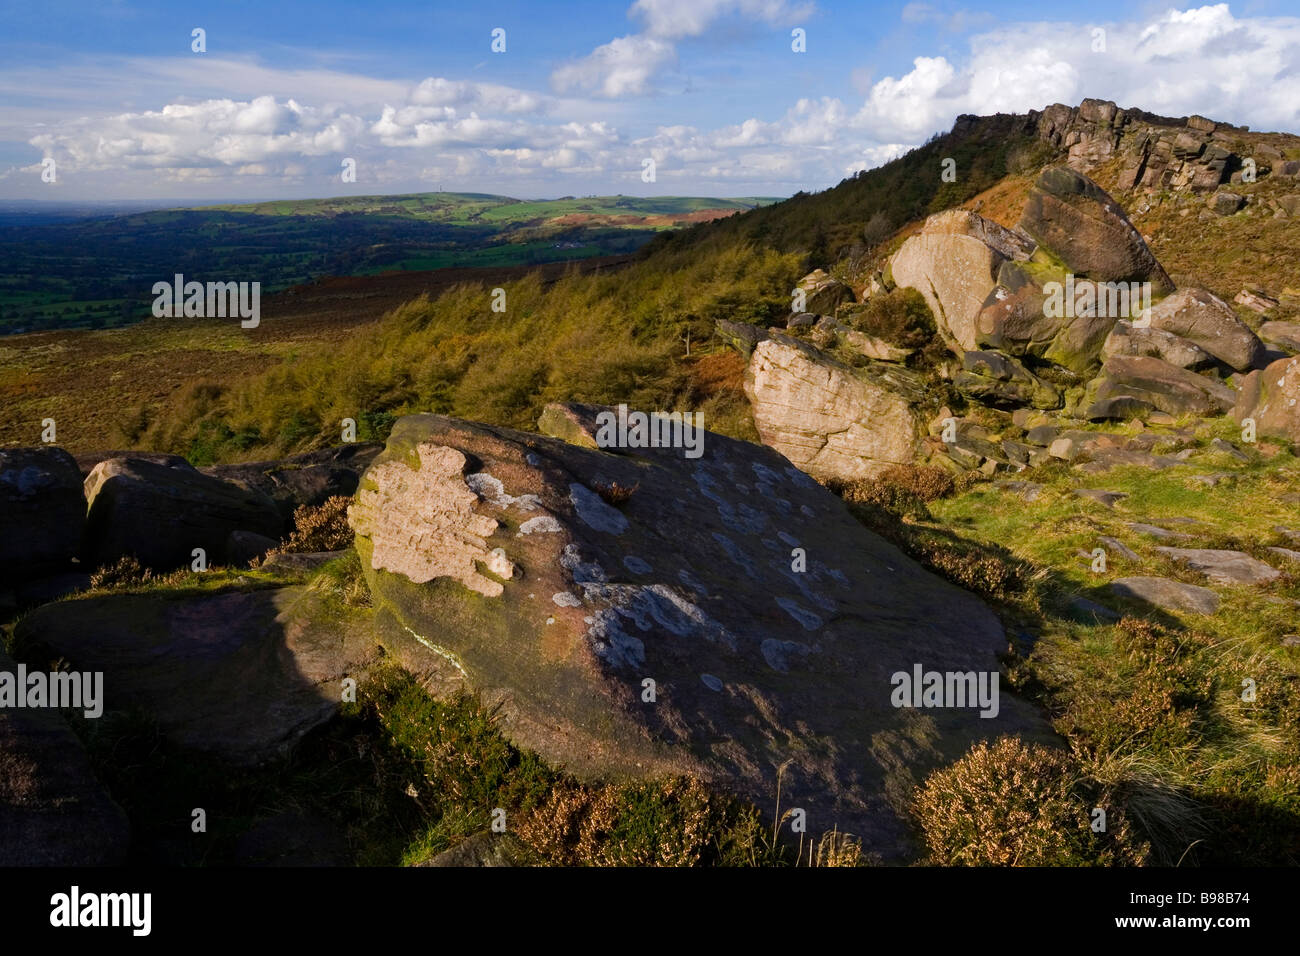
<point x="603" y="338"/>
<point x="1151" y="706"/>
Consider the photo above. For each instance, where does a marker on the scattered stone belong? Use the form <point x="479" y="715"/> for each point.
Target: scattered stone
<point x="1228" y="448"/>
<point x="1224" y="203"/>
<point x="303" y="561"/>
<point x="1212" y="480"/>
<point x="484" y="849"/>
<point x="1284" y="334"/>
<point x="1168" y="594"/>
<point x="1286" y="553"/>
<point x="998" y="379"/>
<point x="1256" y="301"/>
<point x="953" y="262"/>
<point x="1121" y="408"/>
<point x="1126" y="339"/>
<point x="86" y="461"/>
<point x="1119" y="547"/>
<point x="741" y="336"/>
<point x="245" y="547"/>
<point x="823" y="293"/>
<point x="1028" y="490"/>
<point x="1104" y="459"/>
<point x="1042" y="434"/>
<point x="1224" y="567"/>
<point x="1155" y="531"/>
<point x="1107" y="498"/>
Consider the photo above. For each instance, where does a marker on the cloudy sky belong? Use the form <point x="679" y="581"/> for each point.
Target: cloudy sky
<point x="584" y="92"/>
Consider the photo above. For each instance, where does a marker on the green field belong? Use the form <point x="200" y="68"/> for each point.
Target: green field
<point x="99" y="272"/>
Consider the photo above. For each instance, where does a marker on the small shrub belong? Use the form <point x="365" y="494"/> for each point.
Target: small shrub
<point x="927" y="482"/>
<point x="1162" y="694"/>
<point x="125" y="572"/>
<point x="615" y="494"/>
<point x="672" y="823"/>
<point x="322" y="527"/>
<point x="1016" y="804"/>
<point x="896" y="499"/>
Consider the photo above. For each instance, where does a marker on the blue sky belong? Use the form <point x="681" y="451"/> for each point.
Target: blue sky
<point x="585" y="92"/>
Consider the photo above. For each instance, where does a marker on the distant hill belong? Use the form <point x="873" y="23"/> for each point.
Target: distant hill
<point x="97" y="271"/>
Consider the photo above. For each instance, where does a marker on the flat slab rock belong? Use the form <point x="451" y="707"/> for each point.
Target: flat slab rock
<point x="53" y="811"/>
<point x="1168" y="594"/>
<point x="495" y="563"/>
<point x="1224" y="567"/>
<point x="239" y="675"/>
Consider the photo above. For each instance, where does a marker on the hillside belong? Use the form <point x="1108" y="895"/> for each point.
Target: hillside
<point x="98" y="272"/>
<point x="914" y="459"/>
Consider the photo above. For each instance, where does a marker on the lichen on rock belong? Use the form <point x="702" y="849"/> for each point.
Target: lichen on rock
<point x="422" y="524"/>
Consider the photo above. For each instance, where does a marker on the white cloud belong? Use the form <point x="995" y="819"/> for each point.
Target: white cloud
<point x="294" y="126"/>
<point x="1201" y="60"/>
<point x="626" y="65"/>
<point x="622" y="67"/>
<point x="192" y="136"/>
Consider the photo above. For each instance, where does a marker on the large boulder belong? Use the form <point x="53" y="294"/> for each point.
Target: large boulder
<point x="306" y="479"/>
<point x="953" y="262"/>
<point x="87" y="460"/>
<point x="237" y="675"/>
<point x="159" y="515"/>
<point x="1206" y="320"/>
<point x="998" y="379"/>
<point x="42" y="510"/>
<point x="53" y="812"/>
<point x="1272" y="399"/>
<point x="1021" y="317"/>
<point x="742" y="336"/>
<point x="1171" y="389"/>
<point x="832" y="420"/>
<point x="1127" y="339"/>
<point x="823" y="293"/>
<point x="1285" y="335"/>
<point x="677" y="629"/>
<point x="1088" y="231"/>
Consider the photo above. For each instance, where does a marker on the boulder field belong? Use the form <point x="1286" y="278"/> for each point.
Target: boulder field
<point x="632" y="614"/>
<point x="1067" y="313"/>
